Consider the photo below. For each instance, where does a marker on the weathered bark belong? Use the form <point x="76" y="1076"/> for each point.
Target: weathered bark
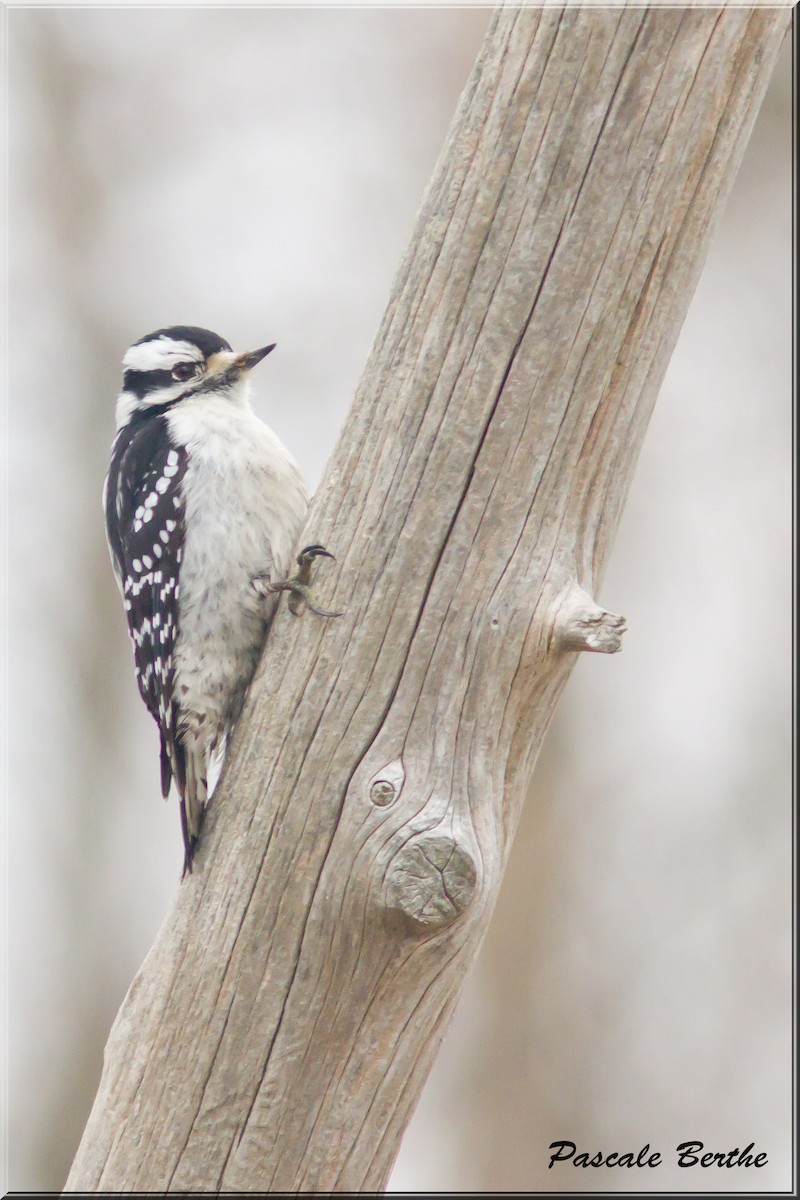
<point x="279" y="1032"/>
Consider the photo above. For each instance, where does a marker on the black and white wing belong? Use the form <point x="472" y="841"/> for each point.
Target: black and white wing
<point x="144" y="509"/>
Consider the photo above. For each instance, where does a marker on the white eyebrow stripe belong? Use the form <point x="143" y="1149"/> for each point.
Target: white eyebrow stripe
<point x="160" y="354"/>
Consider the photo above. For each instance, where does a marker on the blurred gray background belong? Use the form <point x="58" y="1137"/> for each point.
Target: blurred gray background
<point x="257" y="172"/>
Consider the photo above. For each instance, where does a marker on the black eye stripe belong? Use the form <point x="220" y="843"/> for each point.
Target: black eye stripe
<point x="142" y="382"/>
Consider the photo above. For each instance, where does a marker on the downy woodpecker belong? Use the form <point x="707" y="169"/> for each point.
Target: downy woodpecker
<point x="203" y="505"/>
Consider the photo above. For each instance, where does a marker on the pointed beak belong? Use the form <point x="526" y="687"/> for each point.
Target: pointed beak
<point x="246" y="362"/>
<point x="225" y="368"/>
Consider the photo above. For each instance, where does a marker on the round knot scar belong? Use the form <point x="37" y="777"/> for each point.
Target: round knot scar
<point x="431" y="880"/>
<point x="382" y="793"/>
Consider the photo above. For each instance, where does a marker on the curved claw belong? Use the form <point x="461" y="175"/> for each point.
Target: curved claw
<point x="312" y="552"/>
<point x="300" y="594"/>
<point x="321" y="612"/>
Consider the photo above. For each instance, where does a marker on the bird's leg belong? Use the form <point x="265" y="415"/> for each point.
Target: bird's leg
<point x="299" y="585"/>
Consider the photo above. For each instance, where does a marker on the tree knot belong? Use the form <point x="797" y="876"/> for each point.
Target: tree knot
<point x="431" y="880"/>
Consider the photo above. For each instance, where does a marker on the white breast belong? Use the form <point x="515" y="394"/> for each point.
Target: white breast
<point x="245" y="503"/>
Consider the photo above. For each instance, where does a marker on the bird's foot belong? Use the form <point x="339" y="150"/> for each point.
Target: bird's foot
<point x="299" y="586"/>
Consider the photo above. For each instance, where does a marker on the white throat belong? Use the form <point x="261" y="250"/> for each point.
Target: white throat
<point x="235" y="395"/>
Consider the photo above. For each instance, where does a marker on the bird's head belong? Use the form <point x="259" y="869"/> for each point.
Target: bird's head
<point x="173" y="365"/>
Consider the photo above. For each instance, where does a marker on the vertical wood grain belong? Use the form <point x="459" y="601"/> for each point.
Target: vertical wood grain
<point x="281" y="1028"/>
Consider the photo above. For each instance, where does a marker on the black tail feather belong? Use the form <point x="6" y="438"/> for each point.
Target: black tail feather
<point x="166" y="768"/>
<point x="189" y="842"/>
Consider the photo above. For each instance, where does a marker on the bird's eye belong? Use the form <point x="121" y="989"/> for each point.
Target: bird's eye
<point x="185" y="370"/>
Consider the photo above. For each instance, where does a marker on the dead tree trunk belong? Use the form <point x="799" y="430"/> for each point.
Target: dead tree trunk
<point x="281" y="1028"/>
